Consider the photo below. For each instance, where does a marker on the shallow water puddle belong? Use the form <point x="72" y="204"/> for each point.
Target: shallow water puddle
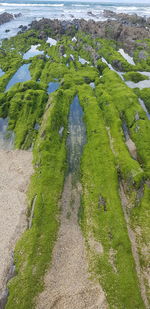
<point x="1" y="73"/>
<point x="145" y="73"/>
<point x="92" y="85"/>
<point x="125" y="131"/>
<point x="83" y="61"/>
<point x="109" y="65"/>
<point x="51" y="41"/>
<point x="144" y="108"/>
<point x="22" y="75"/>
<point x="126" y="56"/>
<point x="33" y="51"/>
<point x="77" y="135"/>
<point x="141" y="85"/>
<point x="53" y="86"/>
<point x="6" y="137"/>
<point x="74" y="39"/>
<point x="72" y="57"/>
<point x="111" y="68"/>
<point x="67" y="280"/>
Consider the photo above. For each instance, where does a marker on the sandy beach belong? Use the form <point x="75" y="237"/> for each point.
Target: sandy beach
<point x="15" y="171"/>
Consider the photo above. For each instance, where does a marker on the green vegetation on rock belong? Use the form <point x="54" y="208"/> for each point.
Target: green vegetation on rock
<point x="34" y="251"/>
<point x="135" y="77"/>
<point x="102" y="216"/>
<point x="107" y="162"/>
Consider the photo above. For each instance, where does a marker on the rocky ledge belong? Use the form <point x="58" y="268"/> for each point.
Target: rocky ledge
<point x="126" y="29"/>
<point x="112" y="29"/>
<point x="126" y="19"/>
<point x="6" y="17"/>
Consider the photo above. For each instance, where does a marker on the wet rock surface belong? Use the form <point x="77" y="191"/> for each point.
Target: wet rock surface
<point x="126" y="19"/>
<point x="124" y="28"/>
<point x="6" y="17"/>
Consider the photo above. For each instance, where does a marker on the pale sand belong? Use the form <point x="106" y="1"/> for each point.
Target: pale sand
<point x="67" y="282"/>
<point x="15" y="171"/>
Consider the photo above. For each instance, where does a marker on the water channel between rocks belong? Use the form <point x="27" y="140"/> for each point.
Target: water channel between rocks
<point x="67" y="283"/>
<point x="33" y="51"/>
<point x="53" y="86"/>
<point x="6" y="137"/>
<point x="77" y="135"/>
<point x="1" y="73"/>
<point x="22" y="75"/>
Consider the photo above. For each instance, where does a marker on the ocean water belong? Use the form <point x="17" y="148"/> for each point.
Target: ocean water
<point x="37" y="9"/>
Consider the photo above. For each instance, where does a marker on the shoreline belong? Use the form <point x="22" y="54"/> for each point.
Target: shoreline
<point x="12" y="21"/>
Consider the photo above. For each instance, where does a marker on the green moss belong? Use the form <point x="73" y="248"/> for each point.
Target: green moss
<point x="128" y="107"/>
<point x="36" y="67"/>
<point x="24" y="104"/>
<point x="6" y="77"/>
<point x="34" y="250"/>
<point x="135" y="77"/>
<point x="140" y="222"/>
<point x="144" y="94"/>
<point x="105" y="158"/>
<point x="53" y="70"/>
<point x="144" y="47"/>
<point x="107" y="49"/>
<point x="128" y="167"/>
<point x="26" y="110"/>
<point x="21" y="42"/>
<point x="106" y="224"/>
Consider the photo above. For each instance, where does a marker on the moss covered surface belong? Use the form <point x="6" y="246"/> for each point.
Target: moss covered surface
<point x="105" y="220"/>
<point x="135" y="77"/>
<point x="128" y="107"/>
<point x="140" y="222"/>
<point x="142" y="46"/>
<point x="144" y="94"/>
<point x="34" y="250"/>
<point x="106" y="159"/>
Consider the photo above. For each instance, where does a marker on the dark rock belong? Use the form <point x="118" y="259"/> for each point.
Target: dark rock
<point x="42" y="35"/>
<point x="102" y="203"/>
<point x="143" y="54"/>
<point x="117" y="64"/>
<point x="3" y="299"/>
<point x="24" y="28"/>
<point x="62" y="50"/>
<point x="42" y="57"/>
<point x="130" y="20"/>
<point x="148" y="21"/>
<point x="91" y="14"/>
<point x="30" y="35"/>
<point x="109" y="13"/>
<point x="125" y="29"/>
<point x="7" y="30"/>
<point x="5" y="18"/>
<point x="17" y="15"/>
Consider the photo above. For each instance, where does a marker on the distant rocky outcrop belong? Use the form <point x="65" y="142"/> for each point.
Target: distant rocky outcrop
<point x="126" y="19"/>
<point x="111" y="29"/>
<point x="6" y="17"/>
